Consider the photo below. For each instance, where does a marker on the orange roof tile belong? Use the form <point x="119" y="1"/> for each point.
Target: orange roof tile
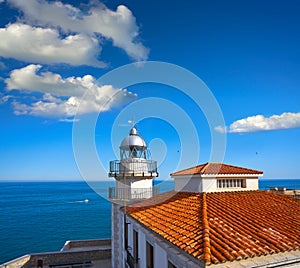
<point x="220" y="227"/>
<point x="217" y="168"/>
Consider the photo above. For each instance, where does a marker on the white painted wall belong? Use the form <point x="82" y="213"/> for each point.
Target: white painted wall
<point x="188" y="184"/>
<point x="130" y="237"/>
<point x="144" y="183"/>
<point x="195" y="184"/>
<point x="162" y="251"/>
<point x="160" y="257"/>
<point x="137" y="184"/>
<point x="135" y="181"/>
<point x="142" y="248"/>
<point x="252" y="184"/>
<point x="208" y="184"/>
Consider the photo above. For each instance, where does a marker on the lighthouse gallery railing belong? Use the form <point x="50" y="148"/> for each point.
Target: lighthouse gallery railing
<point x="133" y="167"/>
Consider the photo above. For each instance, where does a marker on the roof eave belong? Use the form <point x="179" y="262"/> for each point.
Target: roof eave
<point x="218" y="175"/>
<point x="230" y="175"/>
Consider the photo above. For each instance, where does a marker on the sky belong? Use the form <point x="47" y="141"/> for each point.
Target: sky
<point x="61" y="93"/>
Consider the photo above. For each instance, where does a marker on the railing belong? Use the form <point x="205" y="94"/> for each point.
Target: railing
<point x="132" y="193"/>
<point x="134" y="167"/>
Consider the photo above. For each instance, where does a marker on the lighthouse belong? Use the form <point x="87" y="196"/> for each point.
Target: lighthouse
<point x="134" y="173"/>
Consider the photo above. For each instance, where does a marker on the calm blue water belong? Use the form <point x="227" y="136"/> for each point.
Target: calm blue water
<point x="41" y="216"/>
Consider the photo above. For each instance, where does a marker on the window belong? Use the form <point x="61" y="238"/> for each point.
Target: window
<point x="149" y="255"/>
<point x="125" y="234"/>
<point x="231" y="183"/>
<point x="171" y="265"/>
<point x="135" y="246"/>
<point x="39" y="263"/>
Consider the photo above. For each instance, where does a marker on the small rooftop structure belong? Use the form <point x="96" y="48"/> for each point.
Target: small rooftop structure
<point x="217" y="169"/>
<point x="216" y="177"/>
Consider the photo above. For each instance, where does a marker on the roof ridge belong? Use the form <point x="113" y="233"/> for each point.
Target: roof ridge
<point x="231" y="165"/>
<point x="190" y="168"/>
<point x="206" y="239"/>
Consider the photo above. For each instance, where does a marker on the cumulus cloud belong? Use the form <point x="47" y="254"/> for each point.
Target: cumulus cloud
<point x="118" y="26"/>
<point x="261" y="123"/>
<point x="63" y="97"/>
<point x="29" y="78"/>
<point x="39" y="45"/>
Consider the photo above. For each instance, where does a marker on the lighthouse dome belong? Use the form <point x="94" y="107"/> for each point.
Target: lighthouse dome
<point x="133" y="140"/>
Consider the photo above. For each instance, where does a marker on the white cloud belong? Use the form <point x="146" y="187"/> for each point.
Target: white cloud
<point x="5" y="98"/>
<point x="119" y="26"/>
<point x="69" y="120"/>
<point x="28" y="78"/>
<point x="261" y="123"/>
<point x="62" y="97"/>
<point x="221" y="129"/>
<point x="35" y="44"/>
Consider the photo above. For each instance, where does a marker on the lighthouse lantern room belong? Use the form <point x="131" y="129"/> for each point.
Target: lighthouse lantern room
<point x="134" y="172"/>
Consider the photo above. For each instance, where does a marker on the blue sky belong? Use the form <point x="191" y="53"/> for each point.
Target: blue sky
<point x="51" y="53"/>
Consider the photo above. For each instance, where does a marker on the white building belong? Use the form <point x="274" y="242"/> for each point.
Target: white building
<point x="216" y="177"/>
<point x="216" y="217"/>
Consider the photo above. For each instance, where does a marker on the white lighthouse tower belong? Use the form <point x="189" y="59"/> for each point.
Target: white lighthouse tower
<point x="134" y="174"/>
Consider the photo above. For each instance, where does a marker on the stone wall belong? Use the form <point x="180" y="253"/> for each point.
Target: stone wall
<point x="78" y="251"/>
<point x="73" y="244"/>
<point x="62" y="257"/>
<point x="117" y="241"/>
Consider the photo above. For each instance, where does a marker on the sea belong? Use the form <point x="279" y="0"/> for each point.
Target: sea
<point x="42" y="216"/>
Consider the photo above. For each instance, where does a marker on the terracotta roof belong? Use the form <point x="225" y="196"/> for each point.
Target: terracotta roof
<point x="217" y="168"/>
<point x="220" y="227"/>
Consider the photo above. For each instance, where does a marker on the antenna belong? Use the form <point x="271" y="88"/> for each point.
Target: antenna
<point x="131" y="122"/>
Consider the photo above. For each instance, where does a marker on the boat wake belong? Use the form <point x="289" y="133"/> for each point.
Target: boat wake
<point x="79" y="201"/>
